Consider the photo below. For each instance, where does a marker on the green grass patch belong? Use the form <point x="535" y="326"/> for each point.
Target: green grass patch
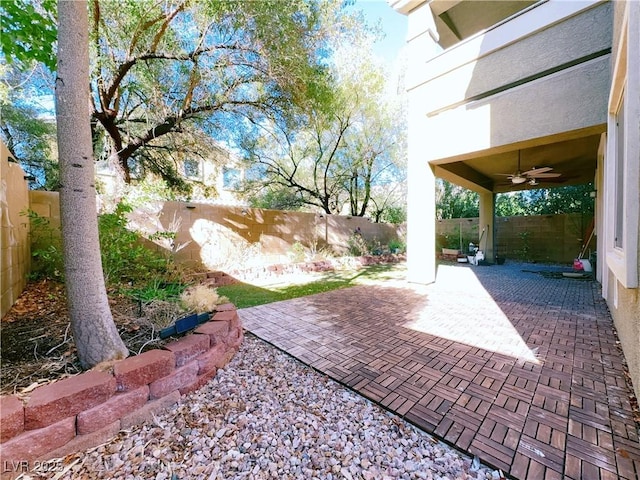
<point x="244" y="295"/>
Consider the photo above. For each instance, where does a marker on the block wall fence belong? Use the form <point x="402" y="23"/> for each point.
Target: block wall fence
<point x="221" y="236"/>
<point x="88" y="409"/>
<point x="532" y="238"/>
<point x="15" y="253"/>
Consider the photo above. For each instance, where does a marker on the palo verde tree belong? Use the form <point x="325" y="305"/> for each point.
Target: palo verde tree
<point x="96" y="337"/>
<point x="344" y="155"/>
<point x="163" y="71"/>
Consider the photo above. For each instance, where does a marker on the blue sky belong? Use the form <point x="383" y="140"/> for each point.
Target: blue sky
<point x="394" y="25"/>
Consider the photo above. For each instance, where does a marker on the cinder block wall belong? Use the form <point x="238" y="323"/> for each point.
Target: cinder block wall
<point x="47" y="205"/>
<point x="538" y="238"/>
<point x="219" y="236"/>
<point x="215" y="235"/>
<point x="14" y="231"/>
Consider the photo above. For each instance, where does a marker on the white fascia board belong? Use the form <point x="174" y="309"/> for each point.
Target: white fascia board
<point x="404" y="6"/>
<point x="537" y="18"/>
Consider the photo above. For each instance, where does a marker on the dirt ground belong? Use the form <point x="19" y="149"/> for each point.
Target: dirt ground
<point x="36" y="341"/>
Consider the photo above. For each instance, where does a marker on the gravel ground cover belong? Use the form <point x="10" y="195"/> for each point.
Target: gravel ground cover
<point x="267" y="416"/>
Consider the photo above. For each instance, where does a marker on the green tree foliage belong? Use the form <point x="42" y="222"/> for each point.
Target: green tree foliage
<point x="453" y="201"/>
<point x="29" y="32"/>
<point x="165" y="73"/>
<point x="512" y="204"/>
<point x="27" y="40"/>
<point x="346" y="156"/>
<point x="569" y="199"/>
<point x="28" y="136"/>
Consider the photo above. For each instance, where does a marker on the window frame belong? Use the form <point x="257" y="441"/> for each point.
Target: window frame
<point x="236" y="184"/>
<point x="621" y="206"/>
<point x="199" y="163"/>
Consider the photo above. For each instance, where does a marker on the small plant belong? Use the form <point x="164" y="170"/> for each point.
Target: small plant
<point x="298" y="253"/>
<point x="201" y="298"/>
<point x="157" y="289"/>
<point x="396" y="246"/>
<point x="167" y="237"/>
<point x="375" y="247"/>
<point x="46" y="248"/>
<point x="161" y="313"/>
<point x="357" y="245"/>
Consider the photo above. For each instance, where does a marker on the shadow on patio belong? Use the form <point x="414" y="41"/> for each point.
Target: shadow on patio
<point x="502" y="362"/>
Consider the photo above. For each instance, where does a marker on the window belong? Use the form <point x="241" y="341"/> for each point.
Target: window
<point x="621" y="166"/>
<point x="193" y="169"/>
<point x="618" y="240"/>
<point x="231" y="178"/>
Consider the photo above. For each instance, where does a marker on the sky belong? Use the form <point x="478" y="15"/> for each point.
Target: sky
<point x="394" y="26"/>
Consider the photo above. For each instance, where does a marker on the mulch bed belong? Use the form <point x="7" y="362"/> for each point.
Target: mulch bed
<point x="37" y="343"/>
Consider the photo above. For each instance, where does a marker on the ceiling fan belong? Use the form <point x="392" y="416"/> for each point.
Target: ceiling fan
<point x="530" y="176"/>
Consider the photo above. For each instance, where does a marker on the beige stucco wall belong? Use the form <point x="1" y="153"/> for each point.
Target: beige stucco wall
<point x="222" y="236"/>
<point x="577" y="95"/>
<point x="14" y="231"/>
<point x="624" y="305"/>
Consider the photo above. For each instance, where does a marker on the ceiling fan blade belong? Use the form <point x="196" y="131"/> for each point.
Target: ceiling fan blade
<point x="544" y="175"/>
<point x="537" y="170"/>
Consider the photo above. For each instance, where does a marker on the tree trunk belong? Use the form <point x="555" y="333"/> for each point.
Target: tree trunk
<point x="94" y="331"/>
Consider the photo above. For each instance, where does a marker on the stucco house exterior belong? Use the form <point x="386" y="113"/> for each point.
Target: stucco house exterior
<point x="548" y="91"/>
<point x="216" y="179"/>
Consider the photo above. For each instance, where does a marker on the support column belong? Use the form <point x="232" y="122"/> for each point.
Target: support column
<point x="421" y="188"/>
<point x="421" y="219"/>
<point x="487" y="216"/>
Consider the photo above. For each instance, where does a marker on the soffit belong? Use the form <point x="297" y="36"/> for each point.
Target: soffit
<point x="458" y="20"/>
<point x="575" y="159"/>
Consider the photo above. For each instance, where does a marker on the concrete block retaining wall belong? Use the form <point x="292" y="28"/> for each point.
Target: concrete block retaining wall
<point x="88" y="409"/>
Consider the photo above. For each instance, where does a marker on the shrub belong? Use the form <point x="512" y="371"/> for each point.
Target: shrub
<point x="201" y="298"/>
<point x="124" y="258"/>
<point x="46" y="248"/>
<point x="397" y="246"/>
<point x="357" y="245"/>
<point x="298" y="253"/>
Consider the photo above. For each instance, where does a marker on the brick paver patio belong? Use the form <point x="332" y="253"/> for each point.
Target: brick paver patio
<point x="502" y="362"/>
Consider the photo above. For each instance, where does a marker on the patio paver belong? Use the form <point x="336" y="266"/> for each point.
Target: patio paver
<point x="502" y="362"/>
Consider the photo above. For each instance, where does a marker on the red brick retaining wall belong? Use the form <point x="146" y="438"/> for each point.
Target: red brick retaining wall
<point x="88" y="409"/>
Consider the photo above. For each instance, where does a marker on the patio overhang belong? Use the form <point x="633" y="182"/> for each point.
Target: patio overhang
<point x="571" y="155"/>
<point x="456" y="20"/>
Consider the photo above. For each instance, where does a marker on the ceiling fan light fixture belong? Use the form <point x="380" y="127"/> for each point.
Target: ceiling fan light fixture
<point x="533" y="182"/>
<point x="518" y="180"/>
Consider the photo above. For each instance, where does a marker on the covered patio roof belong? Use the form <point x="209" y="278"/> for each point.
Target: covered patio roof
<point x="572" y="156"/>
